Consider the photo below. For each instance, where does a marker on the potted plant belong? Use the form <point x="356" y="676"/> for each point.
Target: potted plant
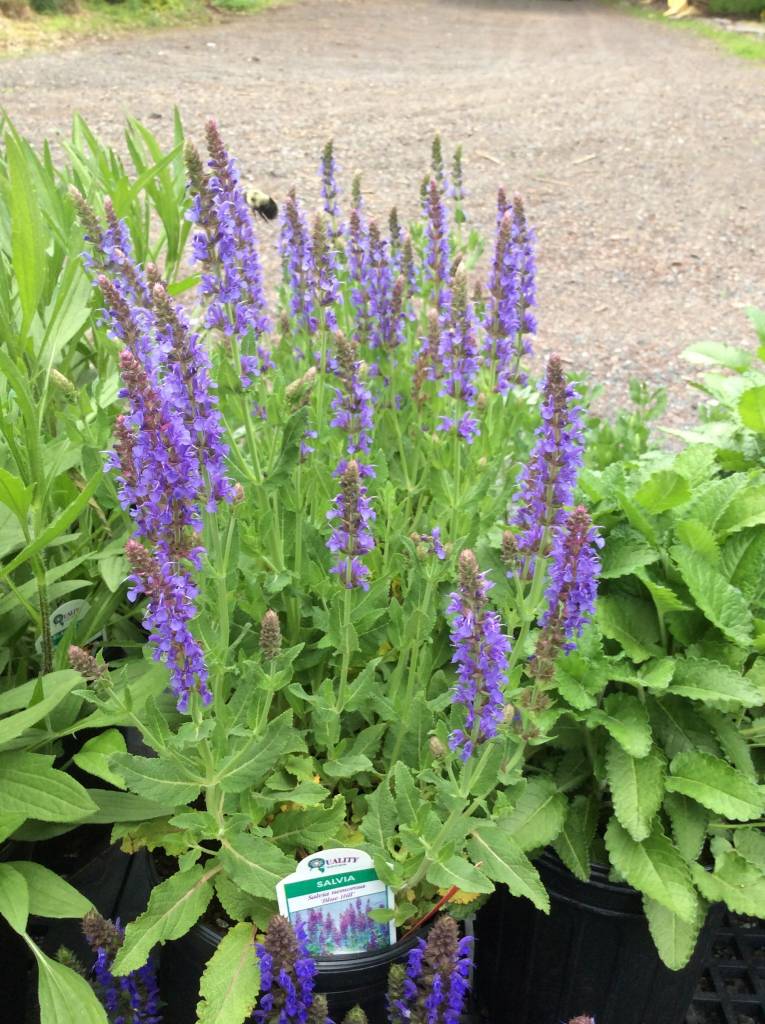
<point x="653" y="770"/>
<point x="344" y="483"/>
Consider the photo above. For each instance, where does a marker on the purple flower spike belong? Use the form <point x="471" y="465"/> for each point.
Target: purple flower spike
<point x="459" y="358"/>
<point x="226" y="246"/>
<point x="571" y="591"/>
<point x="287" y="975"/>
<point x="352" y="404"/>
<point x="132" y="999"/>
<point x="480" y="653"/>
<point x="547" y="482"/>
<point x="437" y="244"/>
<point x="351" y="537"/>
<point x="432" y="988"/>
<point x="297" y="259"/>
<point x="329" y="188"/>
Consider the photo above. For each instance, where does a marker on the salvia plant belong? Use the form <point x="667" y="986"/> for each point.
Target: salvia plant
<point x="355" y="547"/>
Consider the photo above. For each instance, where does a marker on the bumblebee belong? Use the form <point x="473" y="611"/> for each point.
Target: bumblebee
<point x="261" y="204"/>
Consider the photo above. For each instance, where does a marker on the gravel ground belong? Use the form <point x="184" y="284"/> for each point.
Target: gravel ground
<point x="639" y="149"/>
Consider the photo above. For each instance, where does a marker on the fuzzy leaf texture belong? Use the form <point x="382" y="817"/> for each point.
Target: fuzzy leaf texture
<point x="255" y="864"/>
<point x="637" y="788"/>
<point x="157" y="778"/>
<point x="713" y="683"/>
<point x="29" y="784"/>
<point x="626" y="719"/>
<point x="175" y="906"/>
<point x="653" y="867"/>
<point x="715" y="784"/>
<point x="575" y="839"/>
<point x="231" y="979"/>
<point x="723" y="605"/>
<point x="537" y="817"/>
<point x="735" y="882"/>
<point x="675" y="939"/>
<point x="504" y="861"/>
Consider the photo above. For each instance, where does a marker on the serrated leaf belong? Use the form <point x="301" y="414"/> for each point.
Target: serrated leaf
<point x="697" y="536"/>
<point x="249" y="766"/>
<point x="689" y="822"/>
<point x="60" y="990"/>
<point x="653" y="867"/>
<point x="14" y="898"/>
<point x="625" y="551"/>
<point x="632" y="622"/>
<point x="713" y="783"/>
<point x="175" y="906"/>
<point x="626" y="719"/>
<point x="49" y="895"/>
<point x="722" y="604"/>
<point x="750" y="843"/>
<point x="734" y="882"/>
<point x="713" y="683"/>
<point x="664" y="598"/>
<point x="243" y="906"/>
<point x="663" y="490"/>
<point x="408" y="800"/>
<point x="734" y="745"/>
<point x="637" y="788"/>
<point x="679" y="726"/>
<point x="28" y="785"/>
<point x="742" y="561"/>
<point x="311" y="828"/>
<point x="537" y="817"/>
<point x="231" y="981"/>
<point x="722" y="355"/>
<point x="503" y="861"/>
<point x="747" y="510"/>
<point x="460" y="872"/>
<point x="254" y="863"/>
<point x="157" y="778"/>
<point x="347" y="766"/>
<point x="575" y="839"/>
<point x="675" y="939"/>
<point x="751" y="408"/>
<point x="380" y="821"/>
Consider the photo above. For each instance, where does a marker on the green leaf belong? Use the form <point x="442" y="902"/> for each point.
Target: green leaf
<point x="625" y="551"/>
<point x="713" y="783"/>
<point x="28" y="785"/>
<point x="28" y="242"/>
<point x="55" y="686"/>
<point x="14" y="898"/>
<point x="231" y="981"/>
<point x="537" y="817"/>
<point x="94" y="756"/>
<point x="310" y="828"/>
<point x="381" y="820"/>
<point x="115" y="806"/>
<point x="637" y="788"/>
<point x="60" y="990"/>
<point x="750" y="843"/>
<point x="743" y="562"/>
<point x="664" y="598"/>
<point x="460" y="872"/>
<point x="735" y="882"/>
<point x="175" y="906"/>
<point x="679" y="726"/>
<point x="15" y="496"/>
<point x="689" y="822"/>
<point x="248" y="766"/>
<point x="697" y="536"/>
<point x="751" y="409"/>
<point x="675" y="938"/>
<point x="713" y="683"/>
<point x="653" y="867"/>
<point x="49" y="895"/>
<point x="408" y="799"/>
<point x="722" y="355"/>
<point x="484" y="779"/>
<point x="632" y="622"/>
<point x="663" y="490"/>
<point x="747" y="510"/>
<point x="574" y="842"/>
<point x="346" y="766"/>
<point x="722" y="604"/>
<point x="503" y="861"/>
<point x="255" y="864"/>
<point x="626" y="719"/>
<point x="157" y="778"/>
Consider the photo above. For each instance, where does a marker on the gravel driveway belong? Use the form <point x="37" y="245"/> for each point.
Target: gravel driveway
<point x="639" y="148"/>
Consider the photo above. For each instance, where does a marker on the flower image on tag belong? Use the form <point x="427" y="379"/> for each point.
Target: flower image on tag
<point x="331" y="894"/>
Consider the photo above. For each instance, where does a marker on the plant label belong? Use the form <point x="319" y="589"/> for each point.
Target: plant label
<point x="331" y="894"/>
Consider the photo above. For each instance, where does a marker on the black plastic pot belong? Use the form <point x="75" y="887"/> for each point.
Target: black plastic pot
<point x="593" y="954"/>
<point x="348" y="980"/>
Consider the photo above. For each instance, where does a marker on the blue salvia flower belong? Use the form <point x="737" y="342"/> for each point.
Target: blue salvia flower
<point x="351" y="538"/>
<point x="352" y="404"/>
<point x="132" y="998"/>
<point x="459" y="358"/>
<point x="548" y="480"/>
<point x="357" y="255"/>
<point x="225" y="244"/>
<point x="379" y="289"/>
<point x="325" y="283"/>
<point x="571" y="591"/>
<point x="298" y="263"/>
<point x="501" y="316"/>
<point x="437" y="245"/>
<point x="457" y="186"/>
<point x="480" y="654"/>
<point x="524" y="242"/>
<point x="432" y="988"/>
<point x="287" y="975"/>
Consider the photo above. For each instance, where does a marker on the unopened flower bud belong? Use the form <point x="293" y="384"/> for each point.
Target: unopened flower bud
<point x="481" y="401"/>
<point x="238" y="494"/>
<point x="508" y="712"/>
<point x="483" y="462"/>
<point x="270" y="635"/>
<point x="437" y="748"/>
<point x="84" y="663"/>
<point x="61" y="382"/>
<point x="509" y="548"/>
